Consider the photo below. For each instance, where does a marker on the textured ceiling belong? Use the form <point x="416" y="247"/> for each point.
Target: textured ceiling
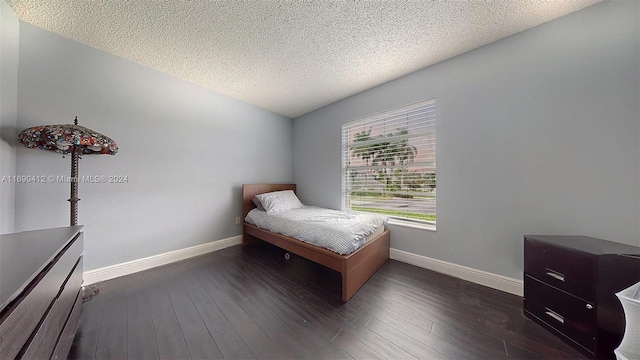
<point x="290" y="57"/>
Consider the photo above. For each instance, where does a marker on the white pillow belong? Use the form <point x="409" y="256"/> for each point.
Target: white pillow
<point x="277" y="201"/>
<point x="257" y="203"/>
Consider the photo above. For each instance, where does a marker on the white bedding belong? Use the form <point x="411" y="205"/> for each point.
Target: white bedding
<point x="339" y="231"/>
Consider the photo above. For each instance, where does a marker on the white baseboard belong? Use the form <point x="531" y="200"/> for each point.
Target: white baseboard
<point x="499" y="282"/>
<point x="130" y="267"/>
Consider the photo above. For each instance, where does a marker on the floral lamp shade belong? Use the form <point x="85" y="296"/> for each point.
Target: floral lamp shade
<point x="62" y="138"/>
<point x="69" y="139"/>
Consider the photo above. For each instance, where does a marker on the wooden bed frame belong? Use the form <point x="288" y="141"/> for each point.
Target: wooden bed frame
<point x="355" y="268"/>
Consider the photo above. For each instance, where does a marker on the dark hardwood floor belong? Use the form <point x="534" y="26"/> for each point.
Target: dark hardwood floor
<point x="236" y="304"/>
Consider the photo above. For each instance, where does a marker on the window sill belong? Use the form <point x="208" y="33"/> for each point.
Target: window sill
<point x="411" y="224"/>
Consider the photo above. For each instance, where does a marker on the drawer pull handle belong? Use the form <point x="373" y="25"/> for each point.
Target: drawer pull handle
<point x="556" y="275"/>
<point x="554" y="315"/>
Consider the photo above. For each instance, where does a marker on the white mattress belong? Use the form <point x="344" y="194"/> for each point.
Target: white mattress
<point x="339" y="231"/>
<point x="373" y="235"/>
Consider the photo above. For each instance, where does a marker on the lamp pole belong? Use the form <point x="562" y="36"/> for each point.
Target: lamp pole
<point x="75" y="155"/>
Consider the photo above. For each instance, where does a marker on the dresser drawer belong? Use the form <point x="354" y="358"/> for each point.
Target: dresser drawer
<point x="566" y="269"/>
<point x="16" y="329"/>
<point x="68" y="333"/>
<point x="46" y="336"/>
<point x="569" y="315"/>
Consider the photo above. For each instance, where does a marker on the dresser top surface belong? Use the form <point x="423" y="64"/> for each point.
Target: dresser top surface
<point x="23" y="255"/>
<point x="587" y="244"/>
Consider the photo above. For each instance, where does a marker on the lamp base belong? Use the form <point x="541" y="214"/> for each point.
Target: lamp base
<point x="89" y="292"/>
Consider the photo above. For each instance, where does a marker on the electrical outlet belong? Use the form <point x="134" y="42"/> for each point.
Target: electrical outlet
<point x="237" y="220"/>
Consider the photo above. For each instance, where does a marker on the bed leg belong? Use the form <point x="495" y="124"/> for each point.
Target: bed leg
<point x="247" y="239"/>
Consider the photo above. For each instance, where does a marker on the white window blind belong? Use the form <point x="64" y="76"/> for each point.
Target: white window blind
<point x="389" y="163"/>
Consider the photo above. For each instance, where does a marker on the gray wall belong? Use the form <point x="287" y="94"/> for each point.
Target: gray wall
<point x="537" y="134"/>
<point x="185" y="150"/>
<point x="9" y="39"/>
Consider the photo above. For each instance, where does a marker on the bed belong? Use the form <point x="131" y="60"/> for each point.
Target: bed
<point x="355" y="268"/>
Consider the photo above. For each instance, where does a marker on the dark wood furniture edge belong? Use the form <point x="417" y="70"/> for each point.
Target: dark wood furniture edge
<point x="355" y="268"/>
<point x="30" y="282"/>
<point x="32" y="322"/>
<point x="601" y="268"/>
<point x="545" y="324"/>
<point x="69" y="329"/>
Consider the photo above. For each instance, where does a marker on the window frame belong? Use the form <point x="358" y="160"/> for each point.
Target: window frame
<point x="381" y="117"/>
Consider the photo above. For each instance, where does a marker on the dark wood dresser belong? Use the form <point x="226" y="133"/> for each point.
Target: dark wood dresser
<point x="569" y="288"/>
<point x="40" y="297"/>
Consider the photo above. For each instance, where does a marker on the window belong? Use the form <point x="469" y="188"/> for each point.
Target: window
<point x="389" y="163"/>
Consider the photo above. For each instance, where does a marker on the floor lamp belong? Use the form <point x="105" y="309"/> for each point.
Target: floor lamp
<point x="70" y="139"/>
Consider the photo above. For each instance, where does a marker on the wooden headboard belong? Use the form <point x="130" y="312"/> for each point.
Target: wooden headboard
<point x="251" y="190"/>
